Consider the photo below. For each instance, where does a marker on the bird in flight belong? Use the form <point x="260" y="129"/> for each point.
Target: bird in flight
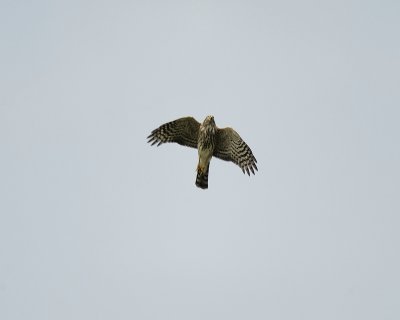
<point x="209" y="140"/>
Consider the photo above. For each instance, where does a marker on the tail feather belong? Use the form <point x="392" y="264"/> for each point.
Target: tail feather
<point x="202" y="178"/>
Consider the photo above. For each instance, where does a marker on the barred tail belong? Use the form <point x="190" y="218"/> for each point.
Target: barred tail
<point x="202" y="178"/>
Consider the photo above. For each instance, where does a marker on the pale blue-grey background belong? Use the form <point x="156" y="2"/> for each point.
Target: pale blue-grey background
<point x="96" y="224"/>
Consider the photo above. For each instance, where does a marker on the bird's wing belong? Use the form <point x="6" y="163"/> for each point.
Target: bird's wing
<point x="183" y="131"/>
<point x="230" y="146"/>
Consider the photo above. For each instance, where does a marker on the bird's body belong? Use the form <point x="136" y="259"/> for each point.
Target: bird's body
<point x="205" y="147"/>
<point x="210" y="141"/>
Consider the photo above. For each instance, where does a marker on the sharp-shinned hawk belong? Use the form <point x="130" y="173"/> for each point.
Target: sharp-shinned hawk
<point x="210" y="140"/>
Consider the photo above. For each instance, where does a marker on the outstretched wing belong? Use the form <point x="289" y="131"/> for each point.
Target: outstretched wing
<point x="229" y="146"/>
<point x="184" y="131"/>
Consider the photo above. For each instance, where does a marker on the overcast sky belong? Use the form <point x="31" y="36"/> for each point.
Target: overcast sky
<point x="97" y="224"/>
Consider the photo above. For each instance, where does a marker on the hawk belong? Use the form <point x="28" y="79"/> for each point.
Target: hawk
<point x="209" y="140"/>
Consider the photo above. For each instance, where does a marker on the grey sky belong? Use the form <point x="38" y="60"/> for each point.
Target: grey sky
<point x="96" y="224"/>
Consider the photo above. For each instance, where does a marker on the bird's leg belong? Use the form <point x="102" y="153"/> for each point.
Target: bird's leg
<point x="199" y="169"/>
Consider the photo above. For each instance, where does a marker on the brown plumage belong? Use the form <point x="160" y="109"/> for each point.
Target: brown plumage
<point x="210" y="140"/>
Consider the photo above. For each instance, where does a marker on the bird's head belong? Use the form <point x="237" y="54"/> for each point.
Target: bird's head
<point x="209" y="120"/>
<point x="208" y="125"/>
